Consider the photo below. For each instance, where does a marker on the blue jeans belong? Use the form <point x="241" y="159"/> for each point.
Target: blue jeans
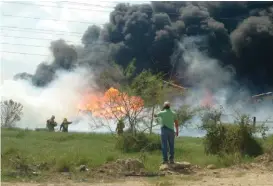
<point x="167" y="138"/>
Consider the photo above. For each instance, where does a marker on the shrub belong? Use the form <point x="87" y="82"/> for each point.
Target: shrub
<point x="136" y="143"/>
<point x="230" y="138"/>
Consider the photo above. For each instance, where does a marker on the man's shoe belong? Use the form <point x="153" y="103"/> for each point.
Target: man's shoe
<point x="171" y="162"/>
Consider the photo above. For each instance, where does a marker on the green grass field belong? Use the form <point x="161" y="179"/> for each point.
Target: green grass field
<point x="59" y="150"/>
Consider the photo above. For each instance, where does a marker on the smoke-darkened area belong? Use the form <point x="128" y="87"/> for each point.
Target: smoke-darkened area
<point x="238" y="34"/>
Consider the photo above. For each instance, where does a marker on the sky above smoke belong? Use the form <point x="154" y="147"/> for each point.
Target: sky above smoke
<point x="55" y="20"/>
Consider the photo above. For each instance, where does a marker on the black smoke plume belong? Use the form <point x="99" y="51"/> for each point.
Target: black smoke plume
<point x="239" y="34"/>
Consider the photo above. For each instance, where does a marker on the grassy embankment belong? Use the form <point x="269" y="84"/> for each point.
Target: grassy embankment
<point x="60" y="150"/>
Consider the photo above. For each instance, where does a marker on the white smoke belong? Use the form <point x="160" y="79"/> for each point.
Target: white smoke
<point x="60" y="98"/>
<point x="207" y="73"/>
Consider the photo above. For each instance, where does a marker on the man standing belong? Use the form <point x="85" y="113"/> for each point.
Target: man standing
<point x="167" y="119"/>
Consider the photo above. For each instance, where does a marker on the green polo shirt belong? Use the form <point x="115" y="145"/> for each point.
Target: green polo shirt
<point x="167" y="118"/>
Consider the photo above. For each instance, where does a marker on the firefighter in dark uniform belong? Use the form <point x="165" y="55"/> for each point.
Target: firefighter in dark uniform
<point x="120" y="127"/>
<point x="50" y="124"/>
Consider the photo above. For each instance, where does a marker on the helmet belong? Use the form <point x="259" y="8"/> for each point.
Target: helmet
<point x="65" y="119"/>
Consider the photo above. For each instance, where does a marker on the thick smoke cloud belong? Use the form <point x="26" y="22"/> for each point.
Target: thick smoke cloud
<point x="252" y="41"/>
<point x="237" y="34"/>
<point x="65" y="57"/>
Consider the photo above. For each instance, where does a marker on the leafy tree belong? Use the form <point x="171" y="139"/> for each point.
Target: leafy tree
<point x="11" y="112"/>
<point x="151" y="89"/>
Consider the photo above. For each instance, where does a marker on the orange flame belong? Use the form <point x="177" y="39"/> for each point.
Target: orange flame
<point x="113" y="104"/>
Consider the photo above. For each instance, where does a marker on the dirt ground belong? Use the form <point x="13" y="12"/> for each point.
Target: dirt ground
<point x="258" y="173"/>
<point x="218" y="177"/>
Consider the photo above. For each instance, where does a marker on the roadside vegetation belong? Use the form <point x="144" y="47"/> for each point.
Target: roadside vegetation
<point x="30" y="155"/>
<point x="41" y="155"/>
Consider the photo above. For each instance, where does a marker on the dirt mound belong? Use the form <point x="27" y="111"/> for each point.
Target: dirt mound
<point x="123" y="167"/>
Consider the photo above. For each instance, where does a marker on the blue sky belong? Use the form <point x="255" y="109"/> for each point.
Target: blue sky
<point x="22" y="21"/>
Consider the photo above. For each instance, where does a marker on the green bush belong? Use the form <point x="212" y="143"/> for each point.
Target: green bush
<point x="138" y="142"/>
<point x="230" y="138"/>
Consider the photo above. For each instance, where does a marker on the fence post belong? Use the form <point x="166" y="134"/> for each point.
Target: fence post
<point x="254" y="121"/>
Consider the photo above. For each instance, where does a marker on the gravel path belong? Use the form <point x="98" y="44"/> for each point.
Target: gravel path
<point x="218" y="177"/>
<point x="237" y="179"/>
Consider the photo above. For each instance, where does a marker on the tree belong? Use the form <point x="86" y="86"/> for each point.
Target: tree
<point x="151" y="89"/>
<point x="11" y="112"/>
<point x="185" y="113"/>
<point x="116" y="104"/>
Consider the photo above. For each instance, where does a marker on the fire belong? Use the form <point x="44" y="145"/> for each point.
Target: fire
<point x="113" y="104"/>
<point x="207" y="101"/>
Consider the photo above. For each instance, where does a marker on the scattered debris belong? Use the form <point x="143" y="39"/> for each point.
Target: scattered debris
<point x="125" y="167"/>
<point x="83" y="168"/>
<point x="177" y="168"/>
<point x="43" y="166"/>
<point x="181" y="165"/>
<point x="211" y="166"/>
<point x="164" y="167"/>
<point x="35" y="173"/>
<point x="67" y="174"/>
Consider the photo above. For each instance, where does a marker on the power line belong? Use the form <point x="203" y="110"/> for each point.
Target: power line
<point x="113" y="2"/>
<point x="93" y="43"/>
<point x="170" y="13"/>
<point x="26" y="53"/>
<point x="24" y="45"/>
<point x="83" y="22"/>
<point x="42" y="30"/>
<point x="23" y="53"/>
<point x="40" y="46"/>
<point x="103" y="6"/>
<point x="87" y="4"/>
<point x="22" y="3"/>
<point x="38" y="18"/>
<point x="33" y="38"/>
